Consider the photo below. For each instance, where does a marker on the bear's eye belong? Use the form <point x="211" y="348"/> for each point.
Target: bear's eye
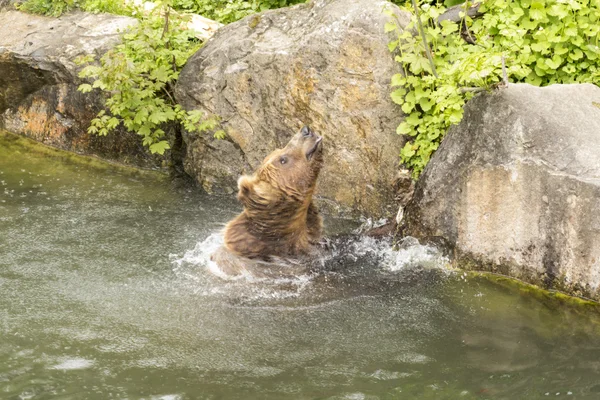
<point x="283" y="160"/>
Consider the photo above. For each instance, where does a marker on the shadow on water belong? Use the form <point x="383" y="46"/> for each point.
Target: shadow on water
<point x="107" y="293"/>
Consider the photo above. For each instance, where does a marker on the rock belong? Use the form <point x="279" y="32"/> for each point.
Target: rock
<point x="9" y="4"/>
<point x="38" y="82"/>
<point x="204" y="27"/>
<point x="515" y="187"/>
<point x="325" y="64"/>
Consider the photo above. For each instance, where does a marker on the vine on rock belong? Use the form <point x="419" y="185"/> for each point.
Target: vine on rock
<point x="542" y="42"/>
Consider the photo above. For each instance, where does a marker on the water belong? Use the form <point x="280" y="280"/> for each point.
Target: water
<point x="106" y="293"/>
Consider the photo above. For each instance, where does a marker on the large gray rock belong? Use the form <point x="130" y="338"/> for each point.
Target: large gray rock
<point x="515" y="188"/>
<point x="325" y="64"/>
<point x="38" y="82"/>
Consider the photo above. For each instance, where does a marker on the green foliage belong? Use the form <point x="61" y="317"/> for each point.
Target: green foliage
<point x="224" y="11"/>
<point x="138" y="75"/>
<point x="227" y="11"/>
<point x="55" y="8"/>
<point x="107" y="6"/>
<point x="52" y="8"/>
<point x="542" y="41"/>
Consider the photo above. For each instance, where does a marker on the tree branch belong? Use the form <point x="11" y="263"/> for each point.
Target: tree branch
<point x="166" y="28"/>
<point x="504" y="74"/>
<point x="472" y="89"/>
<point x="422" y="32"/>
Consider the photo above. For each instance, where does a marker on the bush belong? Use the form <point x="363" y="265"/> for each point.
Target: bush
<point x="542" y="42"/>
<point x="138" y="77"/>
<point x="55" y="8"/>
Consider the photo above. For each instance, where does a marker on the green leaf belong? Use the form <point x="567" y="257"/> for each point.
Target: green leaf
<point x="160" y="74"/>
<point x="528" y="24"/>
<point x="85" y="88"/>
<point x="533" y="79"/>
<point x="398" y="96"/>
<point x="455" y="116"/>
<point x="403" y="129"/>
<point x="560" y="50"/>
<point x="413" y="119"/>
<point x="220" y="134"/>
<point x="554" y="62"/>
<point x="571" y="31"/>
<point x="576" y="55"/>
<point x="98" y="84"/>
<point x="426" y="104"/>
<point x="540" y="47"/>
<point x="389" y="27"/>
<point x="448" y="27"/>
<point x="408" y="151"/>
<point x="159" y="147"/>
<point x="407" y="107"/>
<point x="537" y="14"/>
<point x="558" y="10"/>
<point x="398" y="80"/>
<point x="144" y="130"/>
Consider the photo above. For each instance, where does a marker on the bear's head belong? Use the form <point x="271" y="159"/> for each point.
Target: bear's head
<point x="287" y="175"/>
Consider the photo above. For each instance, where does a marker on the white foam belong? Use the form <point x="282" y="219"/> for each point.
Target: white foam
<point x="411" y="253"/>
<point x="385" y="375"/>
<point x="200" y="255"/>
<point x="167" y="397"/>
<point x="414" y="358"/>
<point x="196" y="266"/>
<point x="73" y="364"/>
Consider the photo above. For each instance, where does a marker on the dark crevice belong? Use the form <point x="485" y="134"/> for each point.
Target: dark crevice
<point x="176" y="157"/>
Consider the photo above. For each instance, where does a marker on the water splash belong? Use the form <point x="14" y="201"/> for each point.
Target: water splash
<point x="344" y="255"/>
<point x="196" y="267"/>
<point x="382" y="254"/>
<point x="410" y="253"/>
<point x="200" y="255"/>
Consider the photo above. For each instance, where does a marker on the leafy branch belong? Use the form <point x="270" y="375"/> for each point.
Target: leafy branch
<point x="138" y="76"/>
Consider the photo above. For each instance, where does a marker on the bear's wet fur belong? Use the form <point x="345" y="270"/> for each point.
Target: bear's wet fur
<point x="280" y="220"/>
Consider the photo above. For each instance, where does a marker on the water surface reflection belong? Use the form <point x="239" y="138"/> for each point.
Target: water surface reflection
<point x="106" y="294"/>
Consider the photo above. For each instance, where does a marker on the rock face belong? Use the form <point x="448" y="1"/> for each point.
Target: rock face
<point x="515" y="188"/>
<point x="325" y="64"/>
<point x="38" y="82"/>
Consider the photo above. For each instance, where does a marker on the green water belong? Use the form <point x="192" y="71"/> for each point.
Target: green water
<point x="105" y="294"/>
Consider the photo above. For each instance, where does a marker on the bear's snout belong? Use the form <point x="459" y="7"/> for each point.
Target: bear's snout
<point x="315" y="147"/>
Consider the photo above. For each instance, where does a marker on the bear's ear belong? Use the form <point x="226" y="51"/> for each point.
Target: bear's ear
<point x="254" y="193"/>
<point x="245" y="185"/>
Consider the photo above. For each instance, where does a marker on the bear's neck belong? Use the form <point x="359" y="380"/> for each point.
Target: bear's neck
<point x="286" y="218"/>
<point x="282" y="227"/>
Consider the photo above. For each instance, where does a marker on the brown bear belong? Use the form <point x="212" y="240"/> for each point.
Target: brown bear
<point x="279" y="219"/>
